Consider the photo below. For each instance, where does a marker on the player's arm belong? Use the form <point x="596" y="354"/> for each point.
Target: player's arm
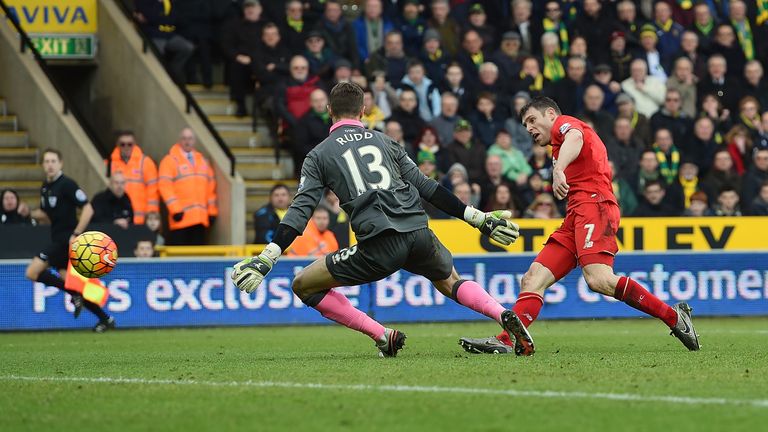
<point x="569" y="151"/>
<point x="81" y="200"/>
<point x="85" y="218"/>
<point x="494" y="224"/>
<point x="248" y="273"/>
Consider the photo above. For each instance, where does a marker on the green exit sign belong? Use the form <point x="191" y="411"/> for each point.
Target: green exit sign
<point x="65" y="46"/>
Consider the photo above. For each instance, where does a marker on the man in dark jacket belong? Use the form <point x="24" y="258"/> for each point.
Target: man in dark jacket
<point x="624" y="150"/>
<point x="653" y="204"/>
<point x="407" y="114"/>
<point x="295" y="26"/>
<point x="240" y="42"/>
<point x="311" y="129"/>
<point x="569" y="91"/>
<point x="596" y="26"/>
<point x="113" y="205"/>
<point x="271" y="68"/>
<point x="720" y="83"/>
<point x="702" y="146"/>
<point x="267" y="218"/>
<point x="197" y="22"/>
<point x="390" y="58"/>
<point x="672" y="117"/>
<point x="160" y="23"/>
<point x="466" y="151"/>
<point x="339" y="34"/>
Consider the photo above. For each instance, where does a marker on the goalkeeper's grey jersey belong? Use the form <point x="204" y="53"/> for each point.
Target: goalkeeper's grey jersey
<point x="378" y="185"/>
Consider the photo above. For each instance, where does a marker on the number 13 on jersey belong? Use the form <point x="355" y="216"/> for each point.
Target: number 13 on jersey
<point x="374" y="166"/>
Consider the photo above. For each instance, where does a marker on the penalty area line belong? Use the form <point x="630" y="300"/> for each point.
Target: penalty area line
<point x="546" y="394"/>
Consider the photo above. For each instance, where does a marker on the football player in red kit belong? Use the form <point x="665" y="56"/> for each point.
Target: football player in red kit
<point x="587" y="236"/>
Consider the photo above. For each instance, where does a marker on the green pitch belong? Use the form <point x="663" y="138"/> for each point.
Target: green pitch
<point x="588" y="375"/>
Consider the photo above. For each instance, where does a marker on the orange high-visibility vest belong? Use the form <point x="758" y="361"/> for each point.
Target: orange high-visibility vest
<point x="140" y="181"/>
<point x="92" y="290"/>
<point x="313" y="242"/>
<point x="187" y="188"/>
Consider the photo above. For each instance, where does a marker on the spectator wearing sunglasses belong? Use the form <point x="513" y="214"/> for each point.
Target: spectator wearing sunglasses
<point x="140" y="173"/>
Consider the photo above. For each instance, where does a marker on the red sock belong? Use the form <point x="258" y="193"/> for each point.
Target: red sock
<point x="633" y="294"/>
<point x="527" y="308"/>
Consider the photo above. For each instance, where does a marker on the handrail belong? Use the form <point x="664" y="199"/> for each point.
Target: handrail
<point x="69" y="107"/>
<point x="191" y="102"/>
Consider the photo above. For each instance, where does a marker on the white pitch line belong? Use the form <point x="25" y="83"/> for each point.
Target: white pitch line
<point x="683" y="400"/>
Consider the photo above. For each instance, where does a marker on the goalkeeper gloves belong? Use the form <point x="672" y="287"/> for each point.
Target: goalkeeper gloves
<point x="494" y="224"/>
<point x="250" y="272"/>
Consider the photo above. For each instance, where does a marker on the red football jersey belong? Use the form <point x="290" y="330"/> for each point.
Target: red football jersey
<point x="589" y="175"/>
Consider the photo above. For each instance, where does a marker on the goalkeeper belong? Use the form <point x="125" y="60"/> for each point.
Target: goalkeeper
<point x="380" y="187"/>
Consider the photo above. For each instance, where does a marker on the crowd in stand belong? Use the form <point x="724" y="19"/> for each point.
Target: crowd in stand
<point x="675" y="89"/>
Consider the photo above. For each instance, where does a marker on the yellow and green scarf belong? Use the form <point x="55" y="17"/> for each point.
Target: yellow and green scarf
<point x="706" y="29"/>
<point x="297" y="25"/>
<point x="744" y="32"/>
<point x="747" y="122"/>
<point x="762" y="12"/>
<point x="665" y="27"/>
<point x="553" y="69"/>
<point x="562" y="33"/>
<point x="689" y="188"/>
<point x="668" y="167"/>
<point x="478" y="58"/>
<point x="538" y="82"/>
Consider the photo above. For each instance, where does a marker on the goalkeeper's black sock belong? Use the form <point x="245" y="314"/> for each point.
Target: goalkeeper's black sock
<point x="96" y="310"/>
<point x="48" y="278"/>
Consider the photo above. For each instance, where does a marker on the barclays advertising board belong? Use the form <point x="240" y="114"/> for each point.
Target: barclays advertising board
<point x="171" y="292"/>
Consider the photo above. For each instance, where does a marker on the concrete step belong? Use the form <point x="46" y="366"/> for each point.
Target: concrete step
<point x="264" y="186"/>
<point x="218" y="91"/>
<point x="247" y="138"/>
<point x="23" y="186"/>
<point x="9" y="123"/>
<point x="264" y="171"/>
<point x="14" y="139"/>
<point x="20" y="172"/>
<point x="230" y="122"/>
<point x="18" y="155"/>
<point x="29" y="191"/>
<point x="3" y="107"/>
<point x="261" y="156"/>
<point x="213" y="107"/>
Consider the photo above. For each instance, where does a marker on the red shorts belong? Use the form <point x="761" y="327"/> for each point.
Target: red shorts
<point x="587" y="236"/>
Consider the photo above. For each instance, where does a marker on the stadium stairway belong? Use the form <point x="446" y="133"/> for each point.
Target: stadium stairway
<point x="253" y="150"/>
<point x="19" y="167"/>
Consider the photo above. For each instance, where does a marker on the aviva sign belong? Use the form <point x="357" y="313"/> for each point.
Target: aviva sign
<point x="55" y="16"/>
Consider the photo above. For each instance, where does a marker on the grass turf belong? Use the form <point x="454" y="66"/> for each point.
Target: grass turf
<point x="633" y="357"/>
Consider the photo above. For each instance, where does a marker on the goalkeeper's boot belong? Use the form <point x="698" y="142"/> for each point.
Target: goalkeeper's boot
<point x="103" y="326"/>
<point x="518" y="332"/>
<point x="393" y="342"/>
<point x="491" y="345"/>
<point x="684" y="330"/>
<point x="77" y="302"/>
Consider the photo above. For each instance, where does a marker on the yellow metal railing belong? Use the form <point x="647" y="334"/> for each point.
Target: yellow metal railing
<point x="211" y="250"/>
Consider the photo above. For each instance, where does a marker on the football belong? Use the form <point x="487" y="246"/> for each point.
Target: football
<point x="93" y="254"/>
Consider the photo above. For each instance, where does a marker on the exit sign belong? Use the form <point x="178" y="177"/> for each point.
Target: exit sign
<point x="65" y="46"/>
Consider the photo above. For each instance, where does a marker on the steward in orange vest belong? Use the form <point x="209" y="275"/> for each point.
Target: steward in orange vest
<point x="140" y="174"/>
<point x="188" y="188"/>
<point x="317" y="239"/>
